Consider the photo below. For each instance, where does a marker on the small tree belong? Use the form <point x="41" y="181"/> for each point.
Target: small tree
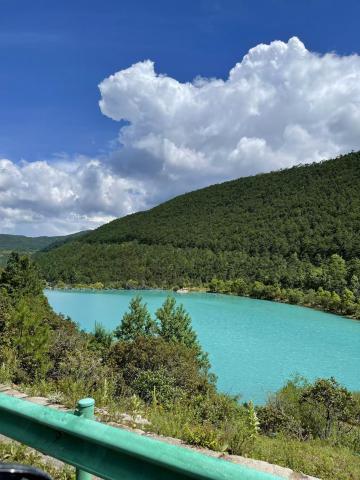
<point x="329" y="400"/>
<point x="20" y="277"/>
<point x="31" y="339"/>
<point x="8" y="363"/>
<point x="240" y="287"/>
<point x="348" y="304"/>
<point x="101" y="339"/>
<point x="5" y="317"/>
<point x="175" y="326"/>
<point x="136" y="322"/>
<point x="335" y="273"/>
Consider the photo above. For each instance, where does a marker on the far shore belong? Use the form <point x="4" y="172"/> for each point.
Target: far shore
<point x="189" y="290"/>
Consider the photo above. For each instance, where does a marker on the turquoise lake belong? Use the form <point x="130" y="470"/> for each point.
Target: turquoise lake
<point x="254" y="345"/>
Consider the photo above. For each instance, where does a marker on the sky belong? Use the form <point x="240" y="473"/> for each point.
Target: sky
<point x="107" y="108"/>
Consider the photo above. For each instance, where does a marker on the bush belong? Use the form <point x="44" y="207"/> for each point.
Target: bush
<point x="170" y="364"/>
<point x="202" y="436"/>
<point x="303" y="410"/>
<point x="157" y="386"/>
<point x="313" y="457"/>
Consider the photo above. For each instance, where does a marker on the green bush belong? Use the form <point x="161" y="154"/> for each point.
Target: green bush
<point x="322" y="409"/>
<point x="171" y="364"/>
<point x="313" y="457"/>
<point x="202" y="436"/>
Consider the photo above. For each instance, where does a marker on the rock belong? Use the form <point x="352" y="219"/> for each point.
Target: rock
<point x="3" y="388"/>
<point x="39" y="400"/>
<point x="15" y="393"/>
<point x="266" y="467"/>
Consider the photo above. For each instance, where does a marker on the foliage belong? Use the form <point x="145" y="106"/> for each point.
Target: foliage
<point x="24" y="336"/>
<point x="239" y="435"/>
<point x="174" y="325"/>
<point x="310" y="427"/>
<point x="281" y="235"/>
<point x="15" y="453"/>
<point x="28" y="245"/>
<point x="323" y="409"/>
<point x="30" y="340"/>
<point x="202" y="436"/>
<point x="313" y="457"/>
<point x="20" y="277"/>
<point x="20" y="243"/>
<point x="332" y="403"/>
<point x="101" y="339"/>
<point x="150" y="366"/>
<point x="137" y="322"/>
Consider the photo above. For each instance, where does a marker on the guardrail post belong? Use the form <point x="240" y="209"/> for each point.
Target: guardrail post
<point x="85" y="408"/>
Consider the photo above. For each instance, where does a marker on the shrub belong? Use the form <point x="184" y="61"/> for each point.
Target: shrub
<point x="202" y="436"/>
<point x="178" y="365"/>
<point x="313" y="457"/>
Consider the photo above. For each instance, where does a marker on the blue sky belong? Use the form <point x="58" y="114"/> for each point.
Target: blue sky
<point x="53" y="56"/>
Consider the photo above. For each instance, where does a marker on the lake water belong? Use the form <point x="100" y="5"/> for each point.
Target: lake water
<point x="254" y="345"/>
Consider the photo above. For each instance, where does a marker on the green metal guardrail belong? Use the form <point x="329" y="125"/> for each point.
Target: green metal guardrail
<point x="108" y="452"/>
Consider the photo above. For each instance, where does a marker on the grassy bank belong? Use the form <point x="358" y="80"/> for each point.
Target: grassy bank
<point x="328" y="459"/>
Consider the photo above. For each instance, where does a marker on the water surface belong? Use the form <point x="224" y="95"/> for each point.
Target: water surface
<point x="254" y="345"/>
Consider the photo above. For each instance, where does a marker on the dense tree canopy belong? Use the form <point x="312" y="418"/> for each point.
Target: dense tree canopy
<point x="28" y="245"/>
<point x="20" y="277"/>
<point x="276" y="227"/>
<point x="290" y="235"/>
<point x="144" y="356"/>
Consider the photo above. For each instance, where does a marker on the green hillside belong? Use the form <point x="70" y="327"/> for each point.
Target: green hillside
<point x="296" y="228"/>
<point x="309" y="210"/>
<point x="29" y="245"/>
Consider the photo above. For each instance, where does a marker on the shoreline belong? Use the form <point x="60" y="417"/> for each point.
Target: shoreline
<point x="190" y="290"/>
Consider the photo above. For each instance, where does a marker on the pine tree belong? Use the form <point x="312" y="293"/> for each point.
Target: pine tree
<point x="30" y="338"/>
<point x="24" y="328"/>
<point x="175" y="326"/>
<point x="175" y="323"/>
<point x="101" y="339"/>
<point x="21" y="277"/>
<point x="136" y="322"/>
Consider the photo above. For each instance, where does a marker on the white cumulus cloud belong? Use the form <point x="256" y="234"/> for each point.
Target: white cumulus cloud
<point x="280" y="105"/>
<point x="63" y="196"/>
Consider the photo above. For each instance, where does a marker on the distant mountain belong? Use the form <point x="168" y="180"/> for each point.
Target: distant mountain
<point x="29" y="245"/>
<point x="279" y="228"/>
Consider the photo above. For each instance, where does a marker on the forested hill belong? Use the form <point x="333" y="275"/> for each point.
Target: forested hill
<point x="309" y="210"/>
<point x="26" y="244"/>
<point x="277" y="228"/>
<point x="29" y="245"/>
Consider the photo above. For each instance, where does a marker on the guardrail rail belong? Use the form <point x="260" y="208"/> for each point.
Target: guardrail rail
<point x="108" y="452"/>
